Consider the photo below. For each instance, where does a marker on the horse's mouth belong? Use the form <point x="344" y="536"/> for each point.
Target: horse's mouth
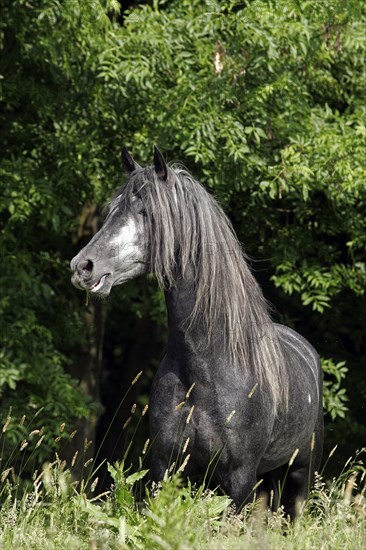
<point x="101" y="287"/>
<point x="98" y="286"/>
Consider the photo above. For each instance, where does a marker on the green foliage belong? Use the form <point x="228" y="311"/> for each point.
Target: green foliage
<point x="175" y="512"/>
<point x="283" y="119"/>
<point x="123" y="483"/>
<point x="334" y="397"/>
<point x="263" y="101"/>
<point x="45" y="178"/>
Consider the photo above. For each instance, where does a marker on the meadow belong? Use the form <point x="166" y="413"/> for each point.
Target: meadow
<point x="52" y="510"/>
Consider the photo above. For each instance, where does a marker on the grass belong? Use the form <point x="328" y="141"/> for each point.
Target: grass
<point x="51" y="510"/>
<point x="54" y="513"/>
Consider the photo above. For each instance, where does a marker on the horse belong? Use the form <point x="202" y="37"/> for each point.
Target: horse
<point x="235" y="394"/>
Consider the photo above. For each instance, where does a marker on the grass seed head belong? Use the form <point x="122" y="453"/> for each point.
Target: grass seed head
<point x="184" y="464"/>
<point x="136" y="378"/>
<point x="5" y="474"/>
<point x="252" y="390"/>
<point x="39" y="442"/>
<point x="294" y="455"/>
<point x="94" y="484"/>
<point x="332" y="451"/>
<point x="190" y="390"/>
<point x="190" y="414"/>
<point x="7" y="421"/>
<point x="145" y="446"/>
<point x="74" y="459"/>
<point x="229" y="417"/>
<point x="185" y="445"/>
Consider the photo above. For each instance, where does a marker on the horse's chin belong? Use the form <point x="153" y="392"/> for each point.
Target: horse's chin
<point x="102" y="287"/>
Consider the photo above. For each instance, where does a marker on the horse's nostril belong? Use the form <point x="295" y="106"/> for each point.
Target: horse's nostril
<point x="85" y="267"/>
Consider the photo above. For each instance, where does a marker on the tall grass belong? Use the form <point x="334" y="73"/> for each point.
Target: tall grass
<point x="50" y="510"/>
<point x="53" y="514"/>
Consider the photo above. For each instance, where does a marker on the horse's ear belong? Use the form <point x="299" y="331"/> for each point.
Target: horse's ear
<point x="128" y="163"/>
<point x="160" y="165"/>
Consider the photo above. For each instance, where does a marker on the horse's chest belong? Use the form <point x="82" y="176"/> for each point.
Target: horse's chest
<point x="177" y="415"/>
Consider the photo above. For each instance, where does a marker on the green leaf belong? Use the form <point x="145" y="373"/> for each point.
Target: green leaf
<point x="131" y="479"/>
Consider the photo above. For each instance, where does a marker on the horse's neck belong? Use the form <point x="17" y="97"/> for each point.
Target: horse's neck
<point x="186" y="345"/>
<point x="180" y="303"/>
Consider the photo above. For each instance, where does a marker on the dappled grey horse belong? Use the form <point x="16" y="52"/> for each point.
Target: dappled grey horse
<point x="237" y="399"/>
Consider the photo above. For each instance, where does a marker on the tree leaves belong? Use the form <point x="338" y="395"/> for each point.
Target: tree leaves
<point x="262" y="101"/>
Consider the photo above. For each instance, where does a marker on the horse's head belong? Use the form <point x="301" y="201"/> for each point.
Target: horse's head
<point x="120" y="250"/>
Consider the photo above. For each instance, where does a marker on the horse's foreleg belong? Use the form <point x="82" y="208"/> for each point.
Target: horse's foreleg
<point x="240" y="486"/>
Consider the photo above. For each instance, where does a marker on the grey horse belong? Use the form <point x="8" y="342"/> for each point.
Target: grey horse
<point x="236" y="397"/>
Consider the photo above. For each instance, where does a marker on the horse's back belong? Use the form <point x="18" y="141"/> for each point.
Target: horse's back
<point x="299" y="350"/>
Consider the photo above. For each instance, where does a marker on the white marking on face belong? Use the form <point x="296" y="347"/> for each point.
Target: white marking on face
<point x="309" y="398"/>
<point x="125" y="243"/>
